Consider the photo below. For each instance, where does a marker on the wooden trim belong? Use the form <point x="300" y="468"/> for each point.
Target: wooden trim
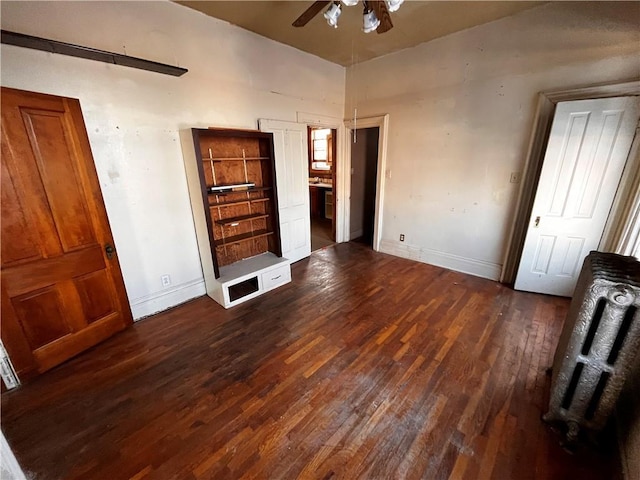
<point x="71" y="50"/>
<point x="622" y="232"/>
<point x="545" y="111"/>
<point x="527" y="192"/>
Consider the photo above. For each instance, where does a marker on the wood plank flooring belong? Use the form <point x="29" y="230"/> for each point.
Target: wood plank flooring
<point x="366" y="366"/>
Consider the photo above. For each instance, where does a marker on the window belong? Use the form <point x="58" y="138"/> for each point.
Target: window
<point x="320" y="149"/>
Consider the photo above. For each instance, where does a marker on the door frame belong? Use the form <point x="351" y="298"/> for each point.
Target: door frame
<point x="340" y="195"/>
<point x="545" y="112"/>
<point x="622" y="231"/>
<point x="382" y="122"/>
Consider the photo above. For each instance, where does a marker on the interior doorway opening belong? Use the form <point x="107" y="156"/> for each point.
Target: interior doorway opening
<point x="618" y="236"/>
<point x="364" y="173"/>
<point x="322" y="183"/>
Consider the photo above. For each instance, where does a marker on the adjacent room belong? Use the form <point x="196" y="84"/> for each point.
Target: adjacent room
<point x="320" y="240"/>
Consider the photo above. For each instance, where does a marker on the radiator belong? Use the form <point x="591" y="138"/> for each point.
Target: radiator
<point x="598" y="344"/>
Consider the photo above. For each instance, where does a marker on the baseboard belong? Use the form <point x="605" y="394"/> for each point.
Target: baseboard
<point x="159" y="301"/>
<point x="471" y="266"/>
<point x="356" y="234"/>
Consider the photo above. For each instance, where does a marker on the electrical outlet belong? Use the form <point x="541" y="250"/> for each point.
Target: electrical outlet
<point x="402" y="237"/>
<point x="515" y="177"/>
<point x="166" y="280"/>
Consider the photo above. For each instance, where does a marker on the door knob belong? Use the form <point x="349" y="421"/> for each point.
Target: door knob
<point x="536" y="223"/>
<point x="109" y="250"/>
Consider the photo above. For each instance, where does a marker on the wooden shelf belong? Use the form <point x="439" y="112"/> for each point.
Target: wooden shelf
<point x="249" y="190"/>
<point x="241" y="218"/>
<point x="238" y="202"/>
<point x="243" y="237"/>
<point x="231" y="159"/>
<point x="231" y="187"/>
<point x="236" y="177"/>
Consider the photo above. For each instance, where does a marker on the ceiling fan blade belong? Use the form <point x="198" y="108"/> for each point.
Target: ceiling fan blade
<point x="383" y="15"/>
<point x="309" y="13"/>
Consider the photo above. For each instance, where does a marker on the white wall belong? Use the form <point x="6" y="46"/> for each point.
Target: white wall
<point x="461" y="113"/>
<point x="133" y="117"/>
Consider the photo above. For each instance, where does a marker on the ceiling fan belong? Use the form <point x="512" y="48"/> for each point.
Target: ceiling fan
<point x="375" y="15"/>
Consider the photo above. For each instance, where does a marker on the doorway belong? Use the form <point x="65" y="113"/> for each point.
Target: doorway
<point x="322" y="181"/>
<point x="585" y="156"/>
<point x="623" y="212"/>
<point x="364" y="173"/>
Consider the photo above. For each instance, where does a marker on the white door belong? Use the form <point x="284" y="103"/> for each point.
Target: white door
<point x="586" y="153"/>
<point x="292" y="178"/>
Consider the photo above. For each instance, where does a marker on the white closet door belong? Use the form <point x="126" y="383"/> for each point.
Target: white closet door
<point x="292" y="178"/>
<point x="586" y="154"/>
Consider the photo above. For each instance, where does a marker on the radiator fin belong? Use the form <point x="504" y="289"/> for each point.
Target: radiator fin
<point x="622" y="334"/>
<point x="573" y="384"/>
<point x="597" y="394"/>
<point x="593" y="328"/>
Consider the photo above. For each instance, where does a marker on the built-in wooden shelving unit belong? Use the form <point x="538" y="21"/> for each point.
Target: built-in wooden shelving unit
<point x="235" y="178"/>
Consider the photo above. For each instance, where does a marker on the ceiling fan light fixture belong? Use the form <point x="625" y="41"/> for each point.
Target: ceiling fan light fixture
<point x="393" y="5"/>
<point x="332" y="14"/>
<point x="369" y="21"/>
<point x="350" y="3"/>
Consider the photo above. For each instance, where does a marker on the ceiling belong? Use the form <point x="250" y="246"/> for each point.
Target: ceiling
<point x="416" y="22"/>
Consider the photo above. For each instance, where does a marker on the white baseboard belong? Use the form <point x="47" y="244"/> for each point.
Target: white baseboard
<point x="471" y="266"/>
<point x="159" y="301"/>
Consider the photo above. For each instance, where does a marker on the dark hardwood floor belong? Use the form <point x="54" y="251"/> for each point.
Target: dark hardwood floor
<point x="321" y="234"/>
<point x="366" y="366"/>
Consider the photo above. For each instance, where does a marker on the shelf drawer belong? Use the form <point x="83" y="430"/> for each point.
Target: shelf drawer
<point x="276" y="277"/>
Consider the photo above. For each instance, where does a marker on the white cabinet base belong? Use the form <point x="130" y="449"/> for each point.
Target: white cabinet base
<point x="249" y="278"/>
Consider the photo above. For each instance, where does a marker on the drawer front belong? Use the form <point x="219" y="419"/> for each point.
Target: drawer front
<point x="276" y="277"/>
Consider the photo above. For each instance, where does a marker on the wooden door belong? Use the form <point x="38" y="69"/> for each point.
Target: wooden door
<point x="62" y="289"/>
<point x="292" y="179"/>
<point x="588" y="146"/>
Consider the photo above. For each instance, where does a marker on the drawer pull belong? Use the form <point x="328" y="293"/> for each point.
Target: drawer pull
<point x="275" y="278"/>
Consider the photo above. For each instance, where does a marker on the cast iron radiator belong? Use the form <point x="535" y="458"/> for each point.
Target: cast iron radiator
<point x="598" y="343"/>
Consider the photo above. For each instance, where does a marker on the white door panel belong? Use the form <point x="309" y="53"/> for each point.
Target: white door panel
<point x="586" y="153"/>
<point x="285" y="236"/>
<point x="299" y="235"/>
<point x="292" y="179"/>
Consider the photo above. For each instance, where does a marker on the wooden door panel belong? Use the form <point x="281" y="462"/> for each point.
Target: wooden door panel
<point x="14" y="339"/>
<point x="70" y="345"/>
<point x="15" y="225"/>
<point x="48" y="271"/>
<point x="96" y="295"/>
<point x="19" y="162"/>
<point x="60" y="293"/>
<point x="40" y="316"/>
<point x="55" y="159"/>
